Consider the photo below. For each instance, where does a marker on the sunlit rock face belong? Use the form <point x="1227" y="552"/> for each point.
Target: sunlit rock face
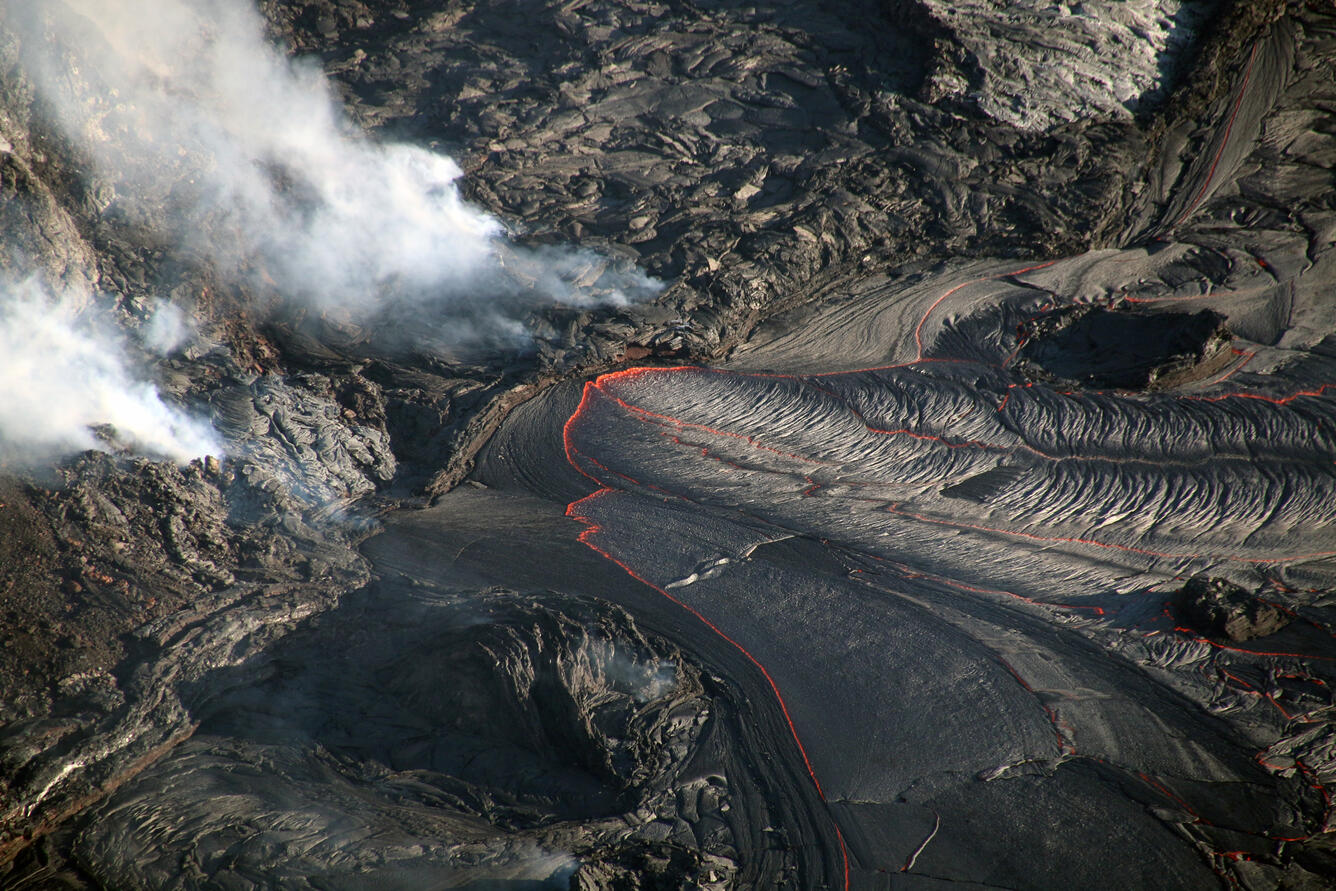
<point x="1037" y="64"/>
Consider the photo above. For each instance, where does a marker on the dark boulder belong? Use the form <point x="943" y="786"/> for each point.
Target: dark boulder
<point x="1220" y="608"/>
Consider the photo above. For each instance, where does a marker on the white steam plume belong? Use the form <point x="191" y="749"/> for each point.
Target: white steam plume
<point x="66" y="373"/>
<point x="195" y="121"/>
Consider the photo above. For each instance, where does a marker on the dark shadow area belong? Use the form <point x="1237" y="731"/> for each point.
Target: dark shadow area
<point x="419" y="736"/>
<point x="1125" y="349"/>
<point x="520" y="709"/>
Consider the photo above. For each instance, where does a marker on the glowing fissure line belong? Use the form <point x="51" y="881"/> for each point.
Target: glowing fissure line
<point x="1177" y="299"/>
<point x="1295" y="614"/>
<point x="1060" y="727"/>
<point x="1197" y="817"/>
<point x="601" y="466"/>
<point x="1224" y="142"/>
<point x="807" y="378"/>
<point x="1164" y="790"/>
<point x="1248" y="355"/>
<point x="592" y="528"/>
<point x="1210" y="295"/>
<point x="816" y="375"/>
<point x="1097" y="610"/>
<point x="1055" y="720"/>
<point x="1275" y="400"/>
<point x="876" y="431"/>
<point x="1219" y="646"/>
<point x="1261" y="694"/>
<point x="677" y="422"/>
<point x="1022" y="445"/>
<point x="1309" y="679"/>
<point x="918" y="338"/>
<point x="1062" y="730"/>
<point x="1313" y="781"/>
<point x="1065" y="745"/>
<point x="928" y="437"/>
<point x="918" y="331"/>
<point x="894" y="508"/>
<point x="913" y="858"/>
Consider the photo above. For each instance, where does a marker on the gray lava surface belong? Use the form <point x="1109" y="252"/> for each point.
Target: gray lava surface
<point x="960" y="511"/>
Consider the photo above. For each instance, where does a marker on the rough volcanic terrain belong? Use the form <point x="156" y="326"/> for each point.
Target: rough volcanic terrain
<point x="870" y="444"/>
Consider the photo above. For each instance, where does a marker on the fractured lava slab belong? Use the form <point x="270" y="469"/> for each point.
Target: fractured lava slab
<point x="989" y="604"/>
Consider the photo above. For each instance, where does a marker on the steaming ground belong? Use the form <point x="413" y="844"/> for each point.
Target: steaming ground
<point x="68" y="373"/>
<point x="195" y="126"/>
<point x="851" y="560"/>
<point x="190" y="118"/>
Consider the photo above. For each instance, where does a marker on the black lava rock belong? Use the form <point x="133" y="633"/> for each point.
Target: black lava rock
<point x="1222" y="609"/>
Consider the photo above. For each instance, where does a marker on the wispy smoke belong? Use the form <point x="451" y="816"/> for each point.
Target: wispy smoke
<point x="194" y="121"/>
<point x="167" y="329"/>
<point x="68" y="386"/>
<point x="643" y="680"/>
